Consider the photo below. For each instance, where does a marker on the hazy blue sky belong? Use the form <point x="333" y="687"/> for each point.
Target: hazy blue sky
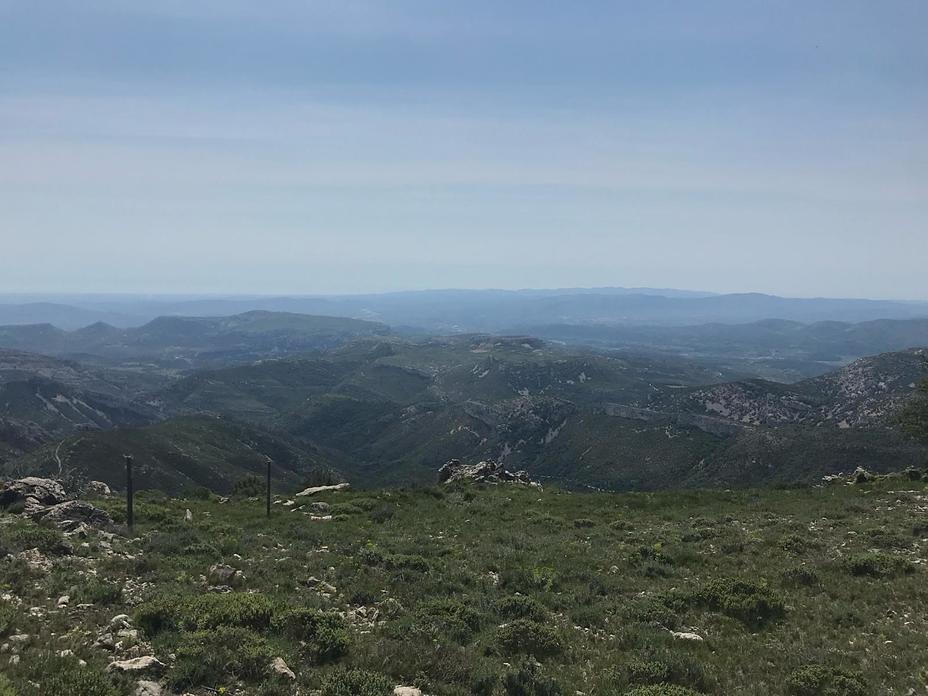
<point x="223" y="145"/>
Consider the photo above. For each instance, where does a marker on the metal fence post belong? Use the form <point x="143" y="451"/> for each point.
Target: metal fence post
<point x="130" y="493"/>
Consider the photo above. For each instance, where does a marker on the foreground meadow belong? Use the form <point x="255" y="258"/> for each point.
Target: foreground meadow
<point x="478" y="590"/>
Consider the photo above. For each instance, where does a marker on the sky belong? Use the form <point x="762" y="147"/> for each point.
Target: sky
<point x="224" y="146"/>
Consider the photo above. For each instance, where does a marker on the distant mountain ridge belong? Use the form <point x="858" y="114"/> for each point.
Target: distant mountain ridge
<point x="444" y="311"/>
<point x="245" y="336"/>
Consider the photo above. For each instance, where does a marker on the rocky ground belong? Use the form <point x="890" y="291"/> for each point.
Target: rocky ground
<point x="468" y="588"/>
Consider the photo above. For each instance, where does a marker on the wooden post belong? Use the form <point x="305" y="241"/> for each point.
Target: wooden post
<point x="130" y="493"/>
<point x="268" y="460"/>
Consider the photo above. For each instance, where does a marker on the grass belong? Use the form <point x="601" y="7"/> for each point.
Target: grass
<point x="504" y="591"/>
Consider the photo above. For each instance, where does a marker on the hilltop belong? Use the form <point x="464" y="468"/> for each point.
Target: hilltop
<point x="503" y="590"/>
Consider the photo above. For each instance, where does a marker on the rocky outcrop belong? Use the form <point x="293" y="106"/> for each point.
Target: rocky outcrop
<point x="323" y="489"/>
<point x="487" y="471"/>
<point x="45" y="500"/>
<point x="32" y="492"/>
<point x="73" y="513"/>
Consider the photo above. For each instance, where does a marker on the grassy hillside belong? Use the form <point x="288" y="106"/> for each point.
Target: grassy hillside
<point x="180" y="454"/>
<point x="459" y="591"/>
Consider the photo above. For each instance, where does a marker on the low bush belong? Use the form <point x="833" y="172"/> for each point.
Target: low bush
<point x="520" y="607"/>
<point x="528" y="681"/>
<point x="251" y="610"/>
<point x="356" y="682"/>
<point x="526" y="637"/>
<point x="97" y="591"/>
<point x="8" y="616"/>
<point x="877" y="565"/>
<point x="50" y="674"/>
<point x="750" y="603"/>
<point x="662" y="690"/>
<point x="450" y="617"/>
<point x="25" y="535"/>
<point x="211" y="657"/>
<point x="799" y="577"/>
<point x="818" y="680"/>
<point x="249" y="487"/>
<point x="325" y="633"/>
<point x="667" y="666"/>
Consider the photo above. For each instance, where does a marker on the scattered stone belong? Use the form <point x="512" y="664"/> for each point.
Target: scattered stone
<point x="63" y="601"/>
<point x="861" y="475"/>
<point x="687" y="635"/>
<point x="97" y="488"/>
<point x="487" y="471"/>
<point x="279" y="668"/>
<point x="147" y="688"/>
<point x="120" y="621"/>
<point x="312" y="490"/>
<point x="147" y="664"/>
<point x="221" y="574"/>
<point x="319" y="507"/>
<point x="188" y="515"/>
<point x="14" y="659"/>
<point x="406" y="691"/>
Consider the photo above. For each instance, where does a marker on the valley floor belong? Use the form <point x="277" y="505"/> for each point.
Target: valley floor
<point x="482" y="590"/>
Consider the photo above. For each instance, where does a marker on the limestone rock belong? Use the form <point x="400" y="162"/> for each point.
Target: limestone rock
<point x="279" y="667"/>
<point x="41" y="491"/>
<point x="97" y="488"/>
<point x="313" y="490"/>
<point x="406" y="691"/>
<point x="147" y="688"/>
<point x="147" y="664"/>
<point x="71" y="514"/>
<point x="488" y="471"/>
<point x="221" y="574"/>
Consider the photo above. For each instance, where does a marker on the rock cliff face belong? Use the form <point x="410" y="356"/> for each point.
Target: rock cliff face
<point x="485" y="472"/>
<point x="866" y="393"/>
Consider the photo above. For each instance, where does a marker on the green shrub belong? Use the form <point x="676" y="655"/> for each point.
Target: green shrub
<point x="523" y="636"/>
<point x="97" y="591"/>
<point x="198" y="612"/>
<point x="527" y="681"/>
<point x="24" y="535"/>
<point x="49" y="674"/>
<point x="663" y="666"/>
<point x="6" y="688"/>
<point x="520" y="607"/>
<point x="249" y="487"/>
<point x="877" y="565"/>
<point x="8" y="616"/>
<point x="800" y="577"/>
<point x="356" y="682"/>
<point x="449" y="617"/>
<point x="644" y="672"/>
<point x="817" y="680"/>
<point x="325" y="633"/>
<point x="751" y="603"/>
<point x="404" y="562"/>
<point x="662" y="690"/>
<point x="795" y="543"/>
<point x="211" y="657"/>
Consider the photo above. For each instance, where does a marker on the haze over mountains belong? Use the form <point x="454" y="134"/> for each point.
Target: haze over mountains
<point x="446" y="311"/>
<point x="589" y="388"/>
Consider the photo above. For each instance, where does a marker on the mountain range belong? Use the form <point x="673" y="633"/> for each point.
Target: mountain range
<point x="447" y="311"/>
